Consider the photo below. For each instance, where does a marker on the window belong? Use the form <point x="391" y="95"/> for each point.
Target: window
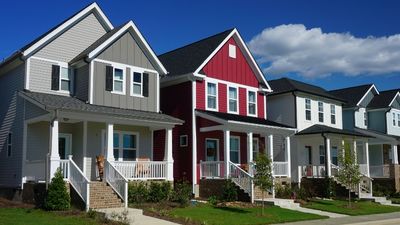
<point x="119" y="80"/>
<point x="125" y="146"/>
<point x="256" y="148"/>
<point x="212" y="96"/>
<point x="137" y="84"/>
<point x="232" y="51"/>
<point x="321" y="154"/>
<point x="211" y="149"/>
<point x="252" y="103"/>
<point x="308" y="109"/>
<point x="398" y="120"/>
<point x="9" y="144"/>
<point x="394" y="119"/>
<point x="234" y="149"/>
<point x="333" y="114"/>
<point x="233" y="100"/>
<point x="321" y="112"/>
<point x="183" y="141"/>
<point x="309" y="154"/>
<point x="334" y="155"/>
<point x="65" y="79"/>
<point x="365" y="119"/>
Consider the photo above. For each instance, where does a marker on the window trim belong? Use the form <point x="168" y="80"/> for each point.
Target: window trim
<point x="132" y="83"/>
<point x="123" y="80"/>
<point x="394" y="119"/>
<point x="237" y="99"/>
<point x="248" y="103"/>
<point x="333" y="113"/>
<point x="322" y="155"/>
<point x="321" y="112"/>
<point x="258" y="144"/>
<point x="9" y="144"/>
<point x="398" y="120"/>
<point x="121" y="146"/>
<point x="232" y="51"/>
<point x="71" y="80"/>
<point x="216" y="95"/>
<point x="305" y="109"/>
<point x="180" y="140"/>
<point x="365" y="114"/>
<point x="230" y="148"/>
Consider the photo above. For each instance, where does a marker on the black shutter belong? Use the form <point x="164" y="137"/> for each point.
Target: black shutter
<point x="109" y="78"/>
<point x="55" y="77"/>
<point x="145" y="84"/>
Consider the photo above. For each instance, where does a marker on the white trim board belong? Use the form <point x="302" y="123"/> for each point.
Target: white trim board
<point x="366" y="93"/>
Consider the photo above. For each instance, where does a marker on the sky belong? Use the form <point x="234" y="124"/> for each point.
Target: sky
<point x="332" y="44"/>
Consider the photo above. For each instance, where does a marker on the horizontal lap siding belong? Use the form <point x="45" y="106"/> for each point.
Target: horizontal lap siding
<point x="82" y="82"/>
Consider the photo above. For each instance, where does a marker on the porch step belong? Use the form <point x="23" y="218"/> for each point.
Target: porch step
<point x="103" y="196"/>
<point x="383" y="201"/>
<point x="258" y="193"/>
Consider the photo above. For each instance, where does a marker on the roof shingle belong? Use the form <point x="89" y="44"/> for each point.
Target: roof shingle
<point x="383" y="100"/>
<point x="352" y="95"/>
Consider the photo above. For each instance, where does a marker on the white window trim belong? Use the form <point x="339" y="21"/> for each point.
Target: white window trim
<point x="332" y="106"/>
<point x="305" y="109"/>
<point x="258" y="144"/>
<point x="123" y="80"/>
<point x="120" y="149"/>
<point x="187" y="140"/>
<point x="398" y="120"/>
<point x="70" y="80"/>
<point x="248" y="103"/>
<point x="365" y="119"/>
<point x="132" y="83"/>
<point x="230" y="148"/>
<point x="9" y="144"/>
<point x="319" y="111"/>
<point x="232" y="51"/>
<point x="216" y="96"/>
<point x="205" y="147"/>
<point x="394" y="119"/>
<point x="228" y="83"/>
<point x="237" y="99"/>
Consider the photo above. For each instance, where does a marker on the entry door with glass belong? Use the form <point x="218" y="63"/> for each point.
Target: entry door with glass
<point x="64" y="145"/>
<point x="212" y="150"/>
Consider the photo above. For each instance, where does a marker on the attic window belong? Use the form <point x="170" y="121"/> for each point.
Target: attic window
<point x="232" y="51"/>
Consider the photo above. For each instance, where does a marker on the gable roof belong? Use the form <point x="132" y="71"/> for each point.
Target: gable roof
<point x="322" y="129"/>
<point x="193" y="57"/>
<point x="384" y="99"/>
<point x="353" y="95"/>
<point x="287" y="85"/>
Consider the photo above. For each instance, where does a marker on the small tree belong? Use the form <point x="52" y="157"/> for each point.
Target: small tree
<point x="349" y="172"/>
<point x="263" y="177"/>
<point x="57" y="195"/>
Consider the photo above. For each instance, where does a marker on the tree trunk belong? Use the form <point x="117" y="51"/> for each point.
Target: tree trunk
<point x="349" y="198"/>
<point x="262" y="211"/>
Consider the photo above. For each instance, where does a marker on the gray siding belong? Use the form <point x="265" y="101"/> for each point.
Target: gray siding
<point x="377" y="121"/>
<point x="348" y="119"/>
<point x="275" y="104"/>
<point x="127" y="51"/>
<point x="396" y="104"/>
<point x="73" y="41"/>
<point x="32" y="111"/>
<point x="37" y="142"/>
<point x="367" y="99"/>
<point x="82" y="82"/>
<point x="11" y="117"/>
<point x="103" y="97"/>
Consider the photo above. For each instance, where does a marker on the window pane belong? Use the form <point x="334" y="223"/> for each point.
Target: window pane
<point x="116" y="153"/>
<point x="129" y="141"/>
<point x="65" y="85"/>
<point x="212" y="102"/>
<point x="308" y="115"/>
<point x="234" y="144"/>
<point x="118" y="85"/>
<point x="116" y="140"/>
<point x="9" y="139"/>
<point x="137" y="77"/>
<point x="65" y="73"/>
<point x="233" y="105"/>
<point x="252" y="96"/>
<point x="211" y="89"/>
<point x="232" y="93"/>
<point x="320" y="106"/>
<point x="333" y="110"/>
<point x="333" y="119"/>
<point x="252" y="109"/>
<point x="234" y="157"/>
<point x="137" y="89"/>
<point x="129" y="155"/>
<point x="321" y="117"/>
<point x="118" y="74"/>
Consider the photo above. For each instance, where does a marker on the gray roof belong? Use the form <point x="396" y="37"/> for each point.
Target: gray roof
<point x="351" y="94"/>
<point x="52" y="102"/>
<point x="287" y="85"/>
<point x="322" y="129"/>
<point x="383" y="100"/>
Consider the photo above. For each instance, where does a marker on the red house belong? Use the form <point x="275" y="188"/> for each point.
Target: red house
<point x="218" y="89"/>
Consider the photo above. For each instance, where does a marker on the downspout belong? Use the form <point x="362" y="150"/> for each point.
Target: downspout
<point x="326" y="154"/>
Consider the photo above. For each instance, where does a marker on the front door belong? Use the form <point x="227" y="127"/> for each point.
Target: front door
<point x="64" y="145"/>
<point x="212" y="150"/>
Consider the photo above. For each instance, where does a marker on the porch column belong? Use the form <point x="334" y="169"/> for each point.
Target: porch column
<point x="168" y="155"/>
<point x="395" y="159"/>
<point x="110" y="142"/>
<point x="227" y="137"/>
<point x="54" y="155"/>
<point x="271" y="155"/>
<point x="328" y="156"/>
<point x="367" y="156"/>
<point x="287" y="156"/>
<point x="355" y="151"/>
<point x="250" y="151"/>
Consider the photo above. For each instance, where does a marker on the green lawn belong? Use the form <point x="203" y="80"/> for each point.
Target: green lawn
<point x="19" y="216"/>
<point x="207" y="214"/>
<point x="358" y="208"/>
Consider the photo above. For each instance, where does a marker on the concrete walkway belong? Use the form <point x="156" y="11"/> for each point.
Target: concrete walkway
<point x="319" y="212"/>
<point x="135" y="216"/>
<point x="375" y="219"/>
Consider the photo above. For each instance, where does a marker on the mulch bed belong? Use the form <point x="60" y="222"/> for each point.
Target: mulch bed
<point x="5" y="203"/>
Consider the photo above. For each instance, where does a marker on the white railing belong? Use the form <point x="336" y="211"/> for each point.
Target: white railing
<point x="117" y="181"/>
<point x="241" y="178"/>
<point x="380" y="171"/>
<point x="142" y="170"/>
<point x="363" y="169"/>
<point x="79" y="182"/>
<point x="312" y="171"/>
<point x="64" y="167"/>
<point x="212" y="169"/>
<point x="280" y="168"/>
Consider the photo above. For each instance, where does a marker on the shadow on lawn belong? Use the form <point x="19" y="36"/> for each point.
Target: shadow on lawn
<point x="234" y="210"/>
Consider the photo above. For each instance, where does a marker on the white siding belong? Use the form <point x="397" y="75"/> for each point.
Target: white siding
<point x="392" y="130"/>
<point x="359" y="118"/>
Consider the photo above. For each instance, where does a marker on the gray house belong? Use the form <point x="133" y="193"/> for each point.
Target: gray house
<point x="84" y="88"/>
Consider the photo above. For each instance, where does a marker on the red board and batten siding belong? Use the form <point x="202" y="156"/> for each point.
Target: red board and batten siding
<point x="222" y="98"/>
<point x="260" y="105"/>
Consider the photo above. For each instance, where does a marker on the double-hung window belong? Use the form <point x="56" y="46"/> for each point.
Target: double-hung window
<point x="252" y="103"/>
<point x="321" y="154"/>
<point x="65" y="79"/>
<point x="234" y="149"/>
<point x="137" y="84"/>
<point x="333" y="114"/>
<point x="256" y="148"/>
<point x="321" y="112"/>
<point x="212" y="96"/>
<point x="398" y="120"/>
<point x="308" y="109"/>
<point x="9" y="144"/>
<point x="232" y="100"/>
<point x="119" y="80"/>
<point x="125" y="146"/>
<point x="394" y="119"/>
<point x="365" y="119"/>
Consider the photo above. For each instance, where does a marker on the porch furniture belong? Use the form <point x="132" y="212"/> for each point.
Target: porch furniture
<point x="142" y="168"/>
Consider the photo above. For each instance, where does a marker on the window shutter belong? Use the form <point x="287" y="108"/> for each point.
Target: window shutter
<point x="55" y="77"/>
<point x="145" y="84"/>
<point x="109" y="78"/>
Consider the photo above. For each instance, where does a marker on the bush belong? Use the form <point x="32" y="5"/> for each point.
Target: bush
<point x="159" y="191"/>
<point x="381" y="190"/>
<point x="229" y="192"/>
<point x="57" y="197"/>
<point x="137" y="192"/>
<point x="283" y="191"/>
<point x="182" y="192"/>
<point x="213" y="200"/>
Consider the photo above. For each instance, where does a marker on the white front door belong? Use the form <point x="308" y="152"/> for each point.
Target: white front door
<point x="64" y="145"/>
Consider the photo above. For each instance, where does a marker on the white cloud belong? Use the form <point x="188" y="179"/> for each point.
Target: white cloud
<point x="312" y="53"/>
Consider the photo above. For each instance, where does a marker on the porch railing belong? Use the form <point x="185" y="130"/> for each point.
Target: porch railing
<point x="64" y="168"/>
<point x="117" y="181"/>
<point x="79" y="182"/>
<point x="212" y="169"/>
<point x="363" y="169"/>
<point x="380" y="171"/>
<point x="280" y="168"/>
<point x="142" y="170"/>
<point x="242" y="179"/>
<point x="312" y="171"/>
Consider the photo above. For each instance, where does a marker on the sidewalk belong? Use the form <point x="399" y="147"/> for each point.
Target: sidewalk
<point x="136" y="217"/>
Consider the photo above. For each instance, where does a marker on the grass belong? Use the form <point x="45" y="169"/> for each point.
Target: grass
<point x="358" y="208"/>
<point x="206" y="214"/>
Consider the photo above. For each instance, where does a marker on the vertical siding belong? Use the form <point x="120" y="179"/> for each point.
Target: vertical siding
<point x="222" y="95"/>
<point x="260" y="105"/>
<point x="201" y="95"/>
<point x="159" y="146"/>
<point x="82" y="82"/>
<point x="243" y="101"/>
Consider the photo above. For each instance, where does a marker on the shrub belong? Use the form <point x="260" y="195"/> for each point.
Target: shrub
<point x="159" y="191"/>
<point x="229" y="192"/>
<point x="283" y="191"/>
<point x="382" y="190"/>
<point x="137" y="192"/>
<point x="213" y="200"/>
<point x="182" y="192"/>
<point x="57" y="197"/>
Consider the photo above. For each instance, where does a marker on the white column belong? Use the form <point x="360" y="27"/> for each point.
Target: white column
<point x="54" y="155"/>
<point x="355" y="151"/>
<point x="168" y="154"/>
<point x="328" y="156"/>
<point x="84" y="147"/>
<point x="250" y="151"/>
<point x="271" y="155"/>
<point x="288" y="156"/>
<point x="395" y="158"/>
<point x="110" y="142"/>
<point x="227" y="137"/>
<point x="367" y="156"/>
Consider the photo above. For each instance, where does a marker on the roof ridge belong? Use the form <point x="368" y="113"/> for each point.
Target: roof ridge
<point x="351" y="87"/>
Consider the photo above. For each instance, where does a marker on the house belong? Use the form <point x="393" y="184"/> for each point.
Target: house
<point x="218" y="89"/>
<point x="376" y="114"/>
<point x="84" y="88"/>
<point x="317" y="115"/>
